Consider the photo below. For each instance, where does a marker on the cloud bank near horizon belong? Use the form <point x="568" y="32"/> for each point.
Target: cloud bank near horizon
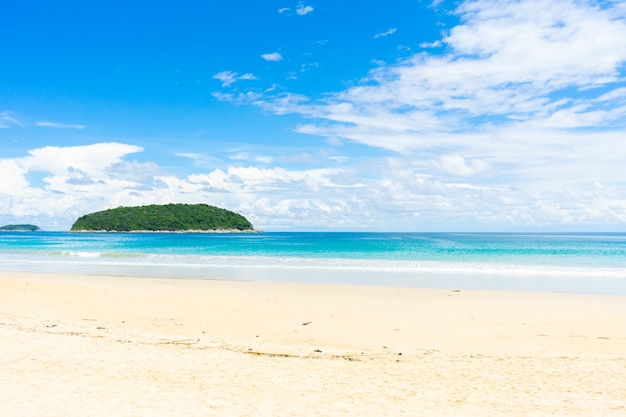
<point x="53" y="193"/>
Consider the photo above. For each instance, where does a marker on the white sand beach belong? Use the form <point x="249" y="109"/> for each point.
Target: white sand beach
<point x="118" y="346"/>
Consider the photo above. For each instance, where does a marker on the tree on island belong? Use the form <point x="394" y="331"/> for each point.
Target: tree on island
<point x="20" y="228"/>
<point x="166" y="218"/>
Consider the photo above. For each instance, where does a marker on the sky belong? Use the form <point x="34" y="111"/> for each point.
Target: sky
<point x="396" y="115"/>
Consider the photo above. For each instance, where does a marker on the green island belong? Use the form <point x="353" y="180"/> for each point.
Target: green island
<point x="164" y="218"/>
<point x="20" y="228"/>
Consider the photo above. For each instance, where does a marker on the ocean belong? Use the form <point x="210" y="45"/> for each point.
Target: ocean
<point x="591" y="263"/>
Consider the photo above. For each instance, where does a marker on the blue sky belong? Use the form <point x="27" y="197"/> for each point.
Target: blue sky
<point x="476" y="115"/>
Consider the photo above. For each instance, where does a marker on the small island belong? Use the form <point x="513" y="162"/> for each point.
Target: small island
<point x="164" y="218"/>
<point x="20" y="228"/>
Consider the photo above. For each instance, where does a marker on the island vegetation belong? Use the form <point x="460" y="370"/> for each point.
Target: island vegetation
<point x="20" y="228"/>
<point x="164" y="218"/>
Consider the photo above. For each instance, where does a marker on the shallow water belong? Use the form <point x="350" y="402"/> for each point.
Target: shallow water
<point x="582" y="263"/>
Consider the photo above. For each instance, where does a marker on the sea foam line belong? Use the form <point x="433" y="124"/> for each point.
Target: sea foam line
<point x="133" y="261"/>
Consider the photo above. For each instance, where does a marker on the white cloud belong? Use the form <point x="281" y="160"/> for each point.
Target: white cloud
<point x="457" y="165"/>
<point x="505" y="66"/>
<point x="93" y="160"/>
<point x="228" y="77"/>
<point x="618" y="93"/>
<point x="517" y="121"/>
<point x="245" y="156"/>
<point x="247" y="76"/>
<point x="274" y="56"/>
<point x="80" y="179"/>
<point x="401" y="193"/>
<point x="435" y="44"/>
<point x="8" y="120"/>
<point x="519" y="104"/>
<point x="303" y="9"/>
<point x="75" y="179"/>
<point x="390" y="31"/>
<point x="10" y="168"/>
<point x="507" y="69"/>
<point x="60" y="125"/>
<point x="198" y="158"/>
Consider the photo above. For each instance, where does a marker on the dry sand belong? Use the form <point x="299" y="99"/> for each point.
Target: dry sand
<point x="113" y="346"/>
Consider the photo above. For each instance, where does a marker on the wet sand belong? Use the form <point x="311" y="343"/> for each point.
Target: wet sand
<point x="118" y="346"/>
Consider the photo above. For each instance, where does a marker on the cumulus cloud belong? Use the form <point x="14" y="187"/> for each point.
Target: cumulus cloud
<point x="73" y="177"/>
<point x="387" y="193"/>
<point x="12" y="169"/>
<point x="456" y="165"/>
<point x="80" y="179"/>
<point x="91" y="159"/>
<point x="274" y="56"/>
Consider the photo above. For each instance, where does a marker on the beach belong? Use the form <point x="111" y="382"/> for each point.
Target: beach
<point x="87" y="345"/>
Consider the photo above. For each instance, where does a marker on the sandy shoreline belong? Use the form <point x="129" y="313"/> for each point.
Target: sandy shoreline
<point x="87" y="345"/>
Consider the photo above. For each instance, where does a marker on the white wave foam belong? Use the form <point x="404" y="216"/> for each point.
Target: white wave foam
<point x="342" y="264"/>
<point x="82" y="254"/>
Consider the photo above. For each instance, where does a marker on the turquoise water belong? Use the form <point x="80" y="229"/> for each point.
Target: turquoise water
<point x="588" y="263"/>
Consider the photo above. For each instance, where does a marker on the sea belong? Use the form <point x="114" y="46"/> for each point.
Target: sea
<point x="589" y="263"/>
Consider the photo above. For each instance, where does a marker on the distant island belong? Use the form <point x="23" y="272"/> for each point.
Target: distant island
<point x="163" y="218"/>
<point x="20" y="228"/>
